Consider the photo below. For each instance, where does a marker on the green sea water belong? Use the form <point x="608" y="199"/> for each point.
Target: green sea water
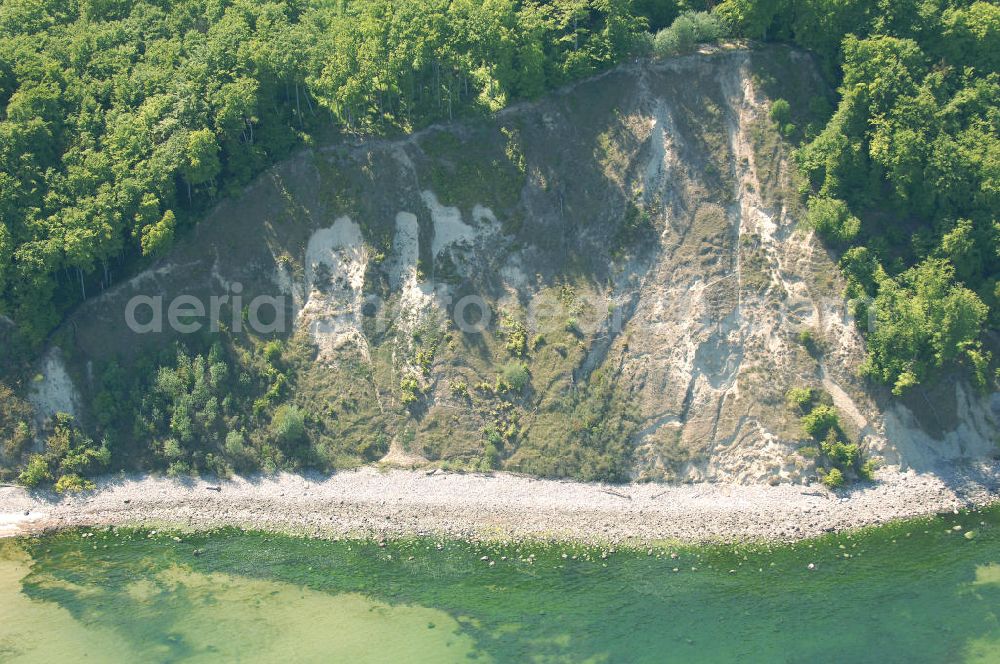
<point x="918" y="591"/>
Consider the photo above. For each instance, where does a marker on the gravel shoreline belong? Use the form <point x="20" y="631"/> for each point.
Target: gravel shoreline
<point x="376" y="503"/>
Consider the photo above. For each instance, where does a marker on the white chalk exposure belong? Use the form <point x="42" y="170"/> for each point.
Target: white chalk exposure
<point x="415" y="297"/>
<point x="449" y="229"/>
<point x="53" y="390"/>
<point x="336" y="260"/>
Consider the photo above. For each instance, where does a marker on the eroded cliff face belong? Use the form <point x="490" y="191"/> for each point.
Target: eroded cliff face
<point x="609" y="282"/>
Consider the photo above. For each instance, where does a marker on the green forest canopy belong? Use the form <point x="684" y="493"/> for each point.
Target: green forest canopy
<point x="121" y="120"/>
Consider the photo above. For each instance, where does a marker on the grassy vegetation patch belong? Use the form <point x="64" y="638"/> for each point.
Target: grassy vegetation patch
<point x="476" y="170"/>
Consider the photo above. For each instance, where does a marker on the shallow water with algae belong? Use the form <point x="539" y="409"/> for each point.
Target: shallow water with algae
<point x="926" y="590"/>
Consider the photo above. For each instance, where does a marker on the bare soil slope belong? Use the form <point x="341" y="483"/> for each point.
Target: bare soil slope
<point x="636" y="241"/>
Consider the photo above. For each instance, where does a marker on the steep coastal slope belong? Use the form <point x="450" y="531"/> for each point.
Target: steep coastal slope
<point x="610" y="283"/>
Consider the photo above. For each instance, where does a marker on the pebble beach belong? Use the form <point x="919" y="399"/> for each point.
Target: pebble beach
<point x="377" y="503"/>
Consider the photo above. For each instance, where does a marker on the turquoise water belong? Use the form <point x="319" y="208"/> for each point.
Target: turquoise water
<point x="920" y="591"/>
